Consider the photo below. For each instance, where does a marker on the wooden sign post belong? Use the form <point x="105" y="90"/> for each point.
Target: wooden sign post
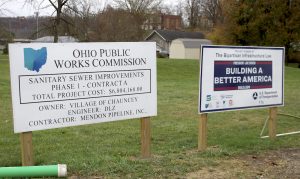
<point x="26" y="149"/>
<point x="145" y="137"/>
<point x="272" y="122"/>
<point x="202" y="137"/>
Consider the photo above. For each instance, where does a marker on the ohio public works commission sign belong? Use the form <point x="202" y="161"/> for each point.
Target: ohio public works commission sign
<point x="60" y="85"/>
<point x="233" y="77"/>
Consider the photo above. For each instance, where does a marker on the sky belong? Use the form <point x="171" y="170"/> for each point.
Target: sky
<point x="20" y="8"/>
<point x="16" y="8"/>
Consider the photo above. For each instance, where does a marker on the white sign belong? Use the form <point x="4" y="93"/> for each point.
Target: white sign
<point x="235" y="77"/>
<point x="60" y="85"/>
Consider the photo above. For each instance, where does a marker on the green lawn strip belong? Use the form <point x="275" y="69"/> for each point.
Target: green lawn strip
<point x="113" y="149"/>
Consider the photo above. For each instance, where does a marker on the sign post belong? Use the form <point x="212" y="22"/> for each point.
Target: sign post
<point x="202" y="136"/>
<point x="272" y="122"/>
<point x="26" y="148"/>
<point x="145" y="137"/>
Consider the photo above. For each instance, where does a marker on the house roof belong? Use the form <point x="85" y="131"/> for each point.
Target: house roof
<point x="60" y="39"/>
<point x="193" y="43"/>
<point x="169" y="35"/>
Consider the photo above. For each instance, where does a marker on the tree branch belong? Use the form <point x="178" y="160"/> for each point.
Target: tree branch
<point x="55" y="7"/>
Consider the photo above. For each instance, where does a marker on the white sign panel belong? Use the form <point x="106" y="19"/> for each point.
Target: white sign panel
<point x="60" y="85"/>
<point x="235" y="77"/>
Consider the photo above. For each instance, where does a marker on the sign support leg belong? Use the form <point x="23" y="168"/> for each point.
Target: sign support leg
<point x="272" y="122"/>
<point x="145" y="137"/>
<point x="26" y="149"/>
<point x="202" y="136"/>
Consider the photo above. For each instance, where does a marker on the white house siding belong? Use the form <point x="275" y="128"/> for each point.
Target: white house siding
<point x="177" y="50"/>
<point x="192" y="53"/>
<point x="164" y="46"/>
<point x="187" y="48"/>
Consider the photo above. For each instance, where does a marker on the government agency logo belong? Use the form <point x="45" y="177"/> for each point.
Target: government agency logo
<point x="224" y="103"/>
<point x="35" y="59"/>
<point x="255" y="95"/>
<point x="208" y="105"/>
<point x="208" y="97"/>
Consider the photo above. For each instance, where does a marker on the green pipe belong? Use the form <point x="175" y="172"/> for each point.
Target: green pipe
<point x="59" y="170"/>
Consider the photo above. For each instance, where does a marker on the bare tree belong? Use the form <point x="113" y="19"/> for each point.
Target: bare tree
<point x="3" y="10"/>
<point x="58" y="6"/>
<point x="138" y="6"/>
<point x="212" y="10"/>
<point x="179" y="8"/>
<point x="69" y="16"/>
<point x="140" y="10"/>
<point x="116" y="25"/>
<point x="78" y="12"/>
<point x="173" y="9"/>
<point x="193" y="10"/>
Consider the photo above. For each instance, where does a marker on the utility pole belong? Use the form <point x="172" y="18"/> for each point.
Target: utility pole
<point x="37" y="24"/>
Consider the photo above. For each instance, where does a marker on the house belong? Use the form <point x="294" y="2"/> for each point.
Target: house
<point x="50" y="39"/>
<point x="187" y="48"/>
<point x="22" y="40"/>
<point x="163" y="22"/>
<point x="163" y="38"/>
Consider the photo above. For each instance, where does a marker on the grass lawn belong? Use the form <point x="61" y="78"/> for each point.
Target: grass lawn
<point x="113" y="149"/>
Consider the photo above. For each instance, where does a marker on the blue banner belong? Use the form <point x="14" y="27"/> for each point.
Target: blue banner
<point x="242" y="75"/>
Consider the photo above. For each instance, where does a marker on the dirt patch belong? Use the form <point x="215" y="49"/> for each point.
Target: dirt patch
<point x="283" y="163"/>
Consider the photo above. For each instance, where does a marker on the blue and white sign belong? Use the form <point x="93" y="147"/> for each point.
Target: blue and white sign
<point x="235" y="77"/>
